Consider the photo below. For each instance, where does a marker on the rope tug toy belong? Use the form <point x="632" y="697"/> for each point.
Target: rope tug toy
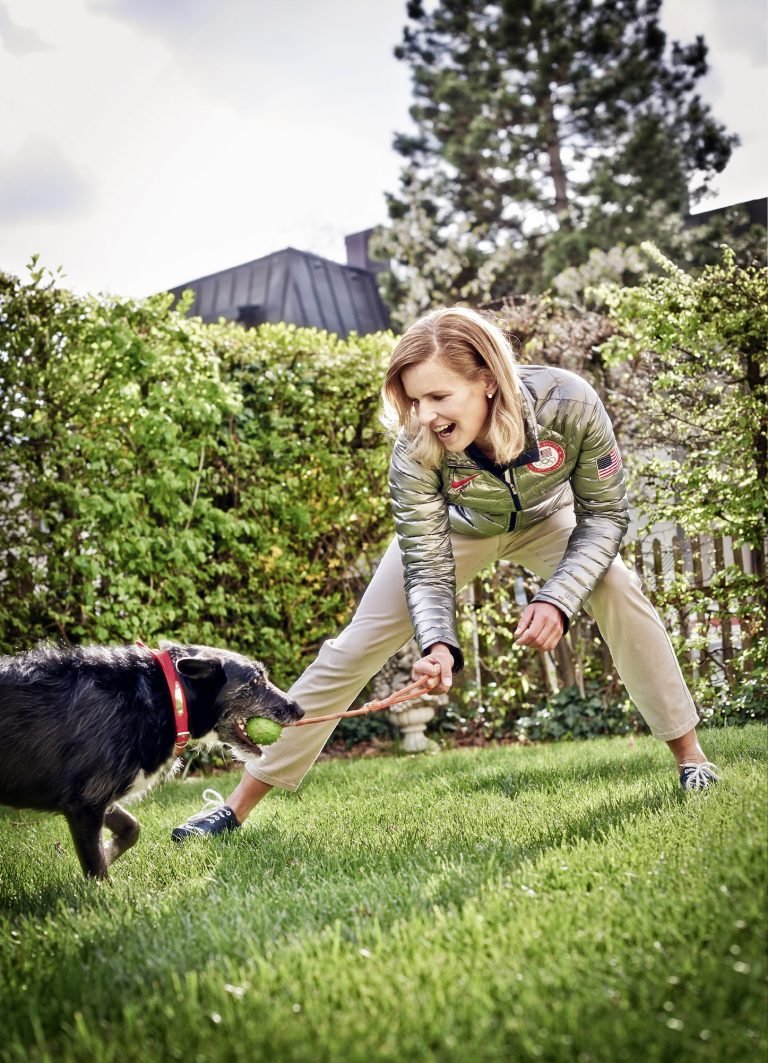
<point x="408" y="693"/>
<point x="264" y="732"/>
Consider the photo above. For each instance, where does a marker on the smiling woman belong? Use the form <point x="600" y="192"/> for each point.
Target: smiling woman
<point x="448" y="404"/>
<point x="467" y="377"/>
<point x="492" y="461"/>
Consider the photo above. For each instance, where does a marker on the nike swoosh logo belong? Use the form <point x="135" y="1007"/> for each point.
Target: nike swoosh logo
<point x="456" y="484"/>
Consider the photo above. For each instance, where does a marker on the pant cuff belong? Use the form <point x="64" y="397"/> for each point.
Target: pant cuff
<point x="270" y="780"/>
<point x="683" y="729"/>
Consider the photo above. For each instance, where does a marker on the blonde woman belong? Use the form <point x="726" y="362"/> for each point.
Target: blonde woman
<point x="492" y="461"/>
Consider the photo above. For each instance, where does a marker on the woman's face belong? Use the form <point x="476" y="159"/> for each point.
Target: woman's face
<point x="454" y="408"/>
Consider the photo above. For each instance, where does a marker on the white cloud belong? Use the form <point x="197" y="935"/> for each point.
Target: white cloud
<point x="301" y="58"/>
<point x="736" y="86"/>
<point x="17" y="39"/>
<point x="210" y="143"/>
<point x="199" y="134"/>
<point x="739" y="28"/>
<point x="38" y="182"/>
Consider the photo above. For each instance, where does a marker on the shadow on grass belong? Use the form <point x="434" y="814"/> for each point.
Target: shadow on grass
<point x="273" y="848"/>
<point x="453" y="842"/>
<point x="640" y="766"/>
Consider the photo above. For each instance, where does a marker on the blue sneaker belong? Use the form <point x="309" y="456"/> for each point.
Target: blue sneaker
<point x="698" y="776"/>
<point x="215" y="818"/>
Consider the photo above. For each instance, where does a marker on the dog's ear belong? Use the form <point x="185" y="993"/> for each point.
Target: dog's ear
<point x="198" y="667"/>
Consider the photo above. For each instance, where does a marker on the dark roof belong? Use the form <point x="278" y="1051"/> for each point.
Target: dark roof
<point x="756" y="210"/>
<point x="291" y="286"/>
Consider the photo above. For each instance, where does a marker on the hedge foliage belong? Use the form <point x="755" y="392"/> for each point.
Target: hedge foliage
<point x="162" y="478"/>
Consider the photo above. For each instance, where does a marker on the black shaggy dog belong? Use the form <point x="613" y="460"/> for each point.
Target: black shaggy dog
<point x="82" y="728"/>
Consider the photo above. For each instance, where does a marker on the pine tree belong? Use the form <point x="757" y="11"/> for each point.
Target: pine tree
<point x="544" y="128"/>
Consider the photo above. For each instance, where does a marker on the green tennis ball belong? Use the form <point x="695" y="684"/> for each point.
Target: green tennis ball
<point x="262" y="732"/>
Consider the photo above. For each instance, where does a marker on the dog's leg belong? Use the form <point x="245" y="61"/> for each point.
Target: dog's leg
<point x="86" y="825"/>
<point x="125" y="832"/>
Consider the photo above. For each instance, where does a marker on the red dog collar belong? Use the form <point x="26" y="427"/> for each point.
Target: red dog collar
<point x="178" y="701"/>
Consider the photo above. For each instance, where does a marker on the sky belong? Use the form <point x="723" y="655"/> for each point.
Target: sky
<point x="146" y="143"/>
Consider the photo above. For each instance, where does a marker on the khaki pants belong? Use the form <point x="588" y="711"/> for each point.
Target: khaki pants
<point x="637" y="640"/>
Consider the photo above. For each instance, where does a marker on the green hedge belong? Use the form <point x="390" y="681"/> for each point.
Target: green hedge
<point x="166" y="479"/>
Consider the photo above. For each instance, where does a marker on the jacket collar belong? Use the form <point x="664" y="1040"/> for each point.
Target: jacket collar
<point x="529" y="417"/>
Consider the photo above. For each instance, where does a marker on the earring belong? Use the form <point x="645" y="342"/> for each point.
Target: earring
<point x="489" y="394"/>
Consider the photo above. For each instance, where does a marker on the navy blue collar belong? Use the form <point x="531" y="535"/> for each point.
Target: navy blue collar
<point x="476" y="454"/>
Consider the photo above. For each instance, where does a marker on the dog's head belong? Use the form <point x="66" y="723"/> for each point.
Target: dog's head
<point x="223" y="690"/>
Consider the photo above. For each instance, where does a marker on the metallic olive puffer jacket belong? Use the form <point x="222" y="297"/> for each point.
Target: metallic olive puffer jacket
<point x="570" y="459"/>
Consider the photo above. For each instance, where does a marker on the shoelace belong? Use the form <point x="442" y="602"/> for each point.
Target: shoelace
<point x="698" y="775"/>
<point x="212" y="799"/>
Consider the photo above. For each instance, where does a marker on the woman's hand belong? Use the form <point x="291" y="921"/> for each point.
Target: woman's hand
<point x="438" y="665"/>
<point x="541" y="626"/>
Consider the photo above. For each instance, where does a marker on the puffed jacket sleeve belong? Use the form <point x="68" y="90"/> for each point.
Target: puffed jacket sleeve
<point x="423" y="530"/>
<point x="601" y="507"/>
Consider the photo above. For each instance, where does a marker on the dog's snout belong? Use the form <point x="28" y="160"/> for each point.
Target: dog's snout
<point x="291" y="712"/>
<point x="276" y="704"/>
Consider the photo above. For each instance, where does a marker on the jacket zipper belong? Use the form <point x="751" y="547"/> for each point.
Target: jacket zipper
<point x="509" y="480"/>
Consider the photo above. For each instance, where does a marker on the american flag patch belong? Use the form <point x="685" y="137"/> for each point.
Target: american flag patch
<point x="608" y="464"/>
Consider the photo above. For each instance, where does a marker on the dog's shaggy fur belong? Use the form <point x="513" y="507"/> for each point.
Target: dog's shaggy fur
<point x="82" y="728"/>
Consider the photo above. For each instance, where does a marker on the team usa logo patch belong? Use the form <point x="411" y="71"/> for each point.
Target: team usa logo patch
<point x="608" y="464"/>
<point x="551" y="457"/>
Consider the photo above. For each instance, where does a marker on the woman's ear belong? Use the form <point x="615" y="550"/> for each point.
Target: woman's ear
<point x="491" y="386"/>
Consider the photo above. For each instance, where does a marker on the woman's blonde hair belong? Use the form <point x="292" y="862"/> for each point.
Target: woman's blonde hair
<point x="471" y="345"/>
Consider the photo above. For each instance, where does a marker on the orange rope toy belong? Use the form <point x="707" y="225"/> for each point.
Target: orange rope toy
<point x="408" y="693"/>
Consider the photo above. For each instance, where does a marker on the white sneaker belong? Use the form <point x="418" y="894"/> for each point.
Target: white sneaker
<point x="698" y="776"/>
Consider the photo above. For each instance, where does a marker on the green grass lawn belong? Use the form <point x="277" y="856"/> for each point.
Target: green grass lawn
<point x="559" y="902"/>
